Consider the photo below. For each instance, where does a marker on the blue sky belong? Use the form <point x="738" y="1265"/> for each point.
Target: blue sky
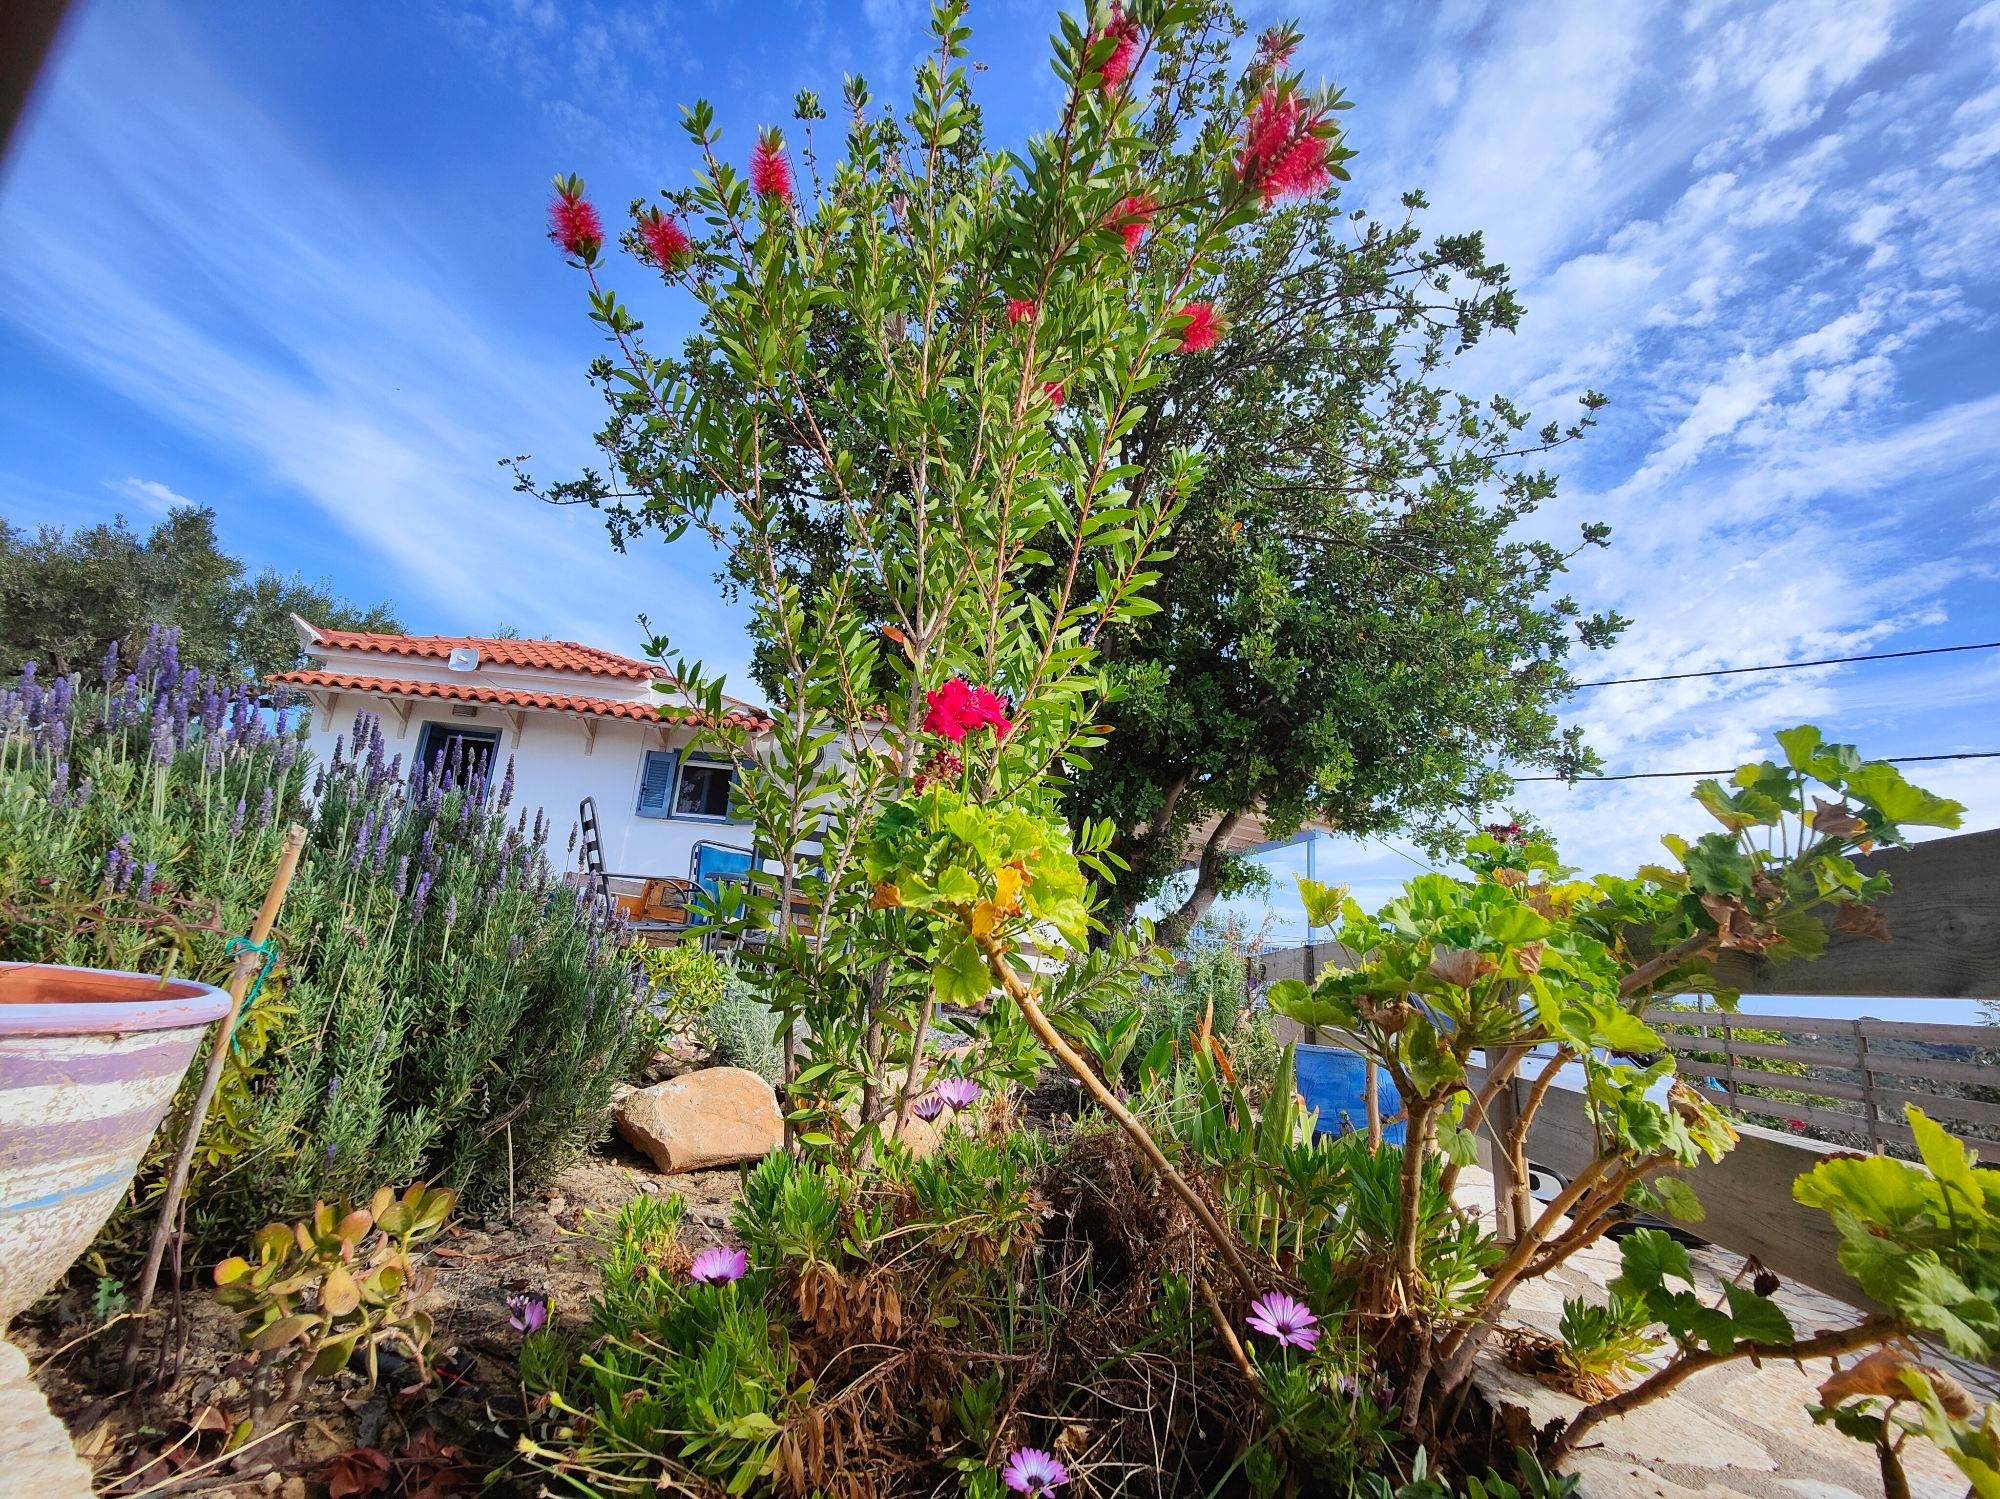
<point x="288" y="262"/>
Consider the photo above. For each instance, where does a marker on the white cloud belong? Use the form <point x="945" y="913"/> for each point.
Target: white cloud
<point x="327" y="342"/>
<point x="151" y="495"/>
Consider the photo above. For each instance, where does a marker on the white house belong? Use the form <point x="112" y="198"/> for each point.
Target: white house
<point x="577" y="722"/>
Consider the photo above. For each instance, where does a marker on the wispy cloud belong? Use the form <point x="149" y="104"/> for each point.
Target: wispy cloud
<point x="151" y="495"/>
<point x="169" y="239"/>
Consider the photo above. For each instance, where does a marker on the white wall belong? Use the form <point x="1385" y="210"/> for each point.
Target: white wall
<point x="554" y="769"/>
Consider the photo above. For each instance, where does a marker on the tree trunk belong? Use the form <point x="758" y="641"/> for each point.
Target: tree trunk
<point x="1207" y="879"/>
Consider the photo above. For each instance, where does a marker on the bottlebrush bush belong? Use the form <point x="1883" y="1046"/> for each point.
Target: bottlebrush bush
<point x="936" y="353"/>
<point x="438" y="997"/>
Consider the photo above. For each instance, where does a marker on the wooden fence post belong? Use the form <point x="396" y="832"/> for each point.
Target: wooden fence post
<point x="1868" y="1100"/>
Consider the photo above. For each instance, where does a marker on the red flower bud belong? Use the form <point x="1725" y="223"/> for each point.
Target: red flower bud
<point x="770" y="172"/>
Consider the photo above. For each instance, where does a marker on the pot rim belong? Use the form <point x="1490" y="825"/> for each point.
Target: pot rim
<point x="155" y="1004"/>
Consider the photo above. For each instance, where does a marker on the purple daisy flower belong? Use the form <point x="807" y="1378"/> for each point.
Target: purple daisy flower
<point x="958" y="1093"/>
<point x="928" y="1107"/>
<point x="1278" y="1316"/>
<point x="719" y="1266"/>
<point x="527" y="1312"/>
<point x="1033" y="1472"/>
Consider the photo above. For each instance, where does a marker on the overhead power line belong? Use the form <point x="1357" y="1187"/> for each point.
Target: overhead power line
<point x="1675" y="775"/>
<point x="1737" y="671"/>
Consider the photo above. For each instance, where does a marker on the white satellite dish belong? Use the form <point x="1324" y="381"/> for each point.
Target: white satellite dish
<point x="463" y="658"/>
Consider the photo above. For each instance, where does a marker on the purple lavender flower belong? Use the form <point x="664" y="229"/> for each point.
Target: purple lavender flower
<point x="514" y="945"/>
<point x="928" y="1107"/>
<point x="719" y="1265"/>
<point x="527" y="1312"/>
<point x="115" y="860"/>
<point x="382" y="844"/>
<point x="146" y="880"/>
<point x="957" y="1092"/>
<point x="507" y="785"/>
<point x="1033" y="1472"/>
<point x="265" y="806"/>
<point x="236" y="822"/>
<point x="332" y="1089"/>
<point x="362" y="836"/>
<point x="111" y="663"/>
<point x="422" y="897"/>
<point x="83" y="789"/>
<point x="1277" y="1315"/>
<point x="402" y="874"/>
<point x="451" y="909"/>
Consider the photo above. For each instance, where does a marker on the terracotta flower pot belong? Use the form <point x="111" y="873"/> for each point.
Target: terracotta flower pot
<point x="90" y="1059"/>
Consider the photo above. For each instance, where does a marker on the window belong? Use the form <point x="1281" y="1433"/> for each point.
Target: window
<point x="656" y="783"/>
<point x="466" y="752"/>
<point x="704" y="788"/>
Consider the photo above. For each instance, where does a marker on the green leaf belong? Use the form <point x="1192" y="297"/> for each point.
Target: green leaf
<point x="960" y="974"/>
<point x="1758" y="1318"/>
<point x="1322" y="902"/>
<point x="1649" y="1257"/>
<point x="1800" y="745"/>
<point x="1679" y="1199"/>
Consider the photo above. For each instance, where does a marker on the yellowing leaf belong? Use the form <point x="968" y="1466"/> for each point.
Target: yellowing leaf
<point x="886" y="898"/>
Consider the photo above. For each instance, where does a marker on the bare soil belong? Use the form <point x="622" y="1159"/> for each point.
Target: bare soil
<point x="165" y="1436"/>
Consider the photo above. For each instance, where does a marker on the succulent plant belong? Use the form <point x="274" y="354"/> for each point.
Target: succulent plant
<point x="313" y="1293"/>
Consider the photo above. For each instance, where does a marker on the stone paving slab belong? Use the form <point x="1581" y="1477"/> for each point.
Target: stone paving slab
<point x="1737" y="1431"/>
<point x="35" y="1455"/>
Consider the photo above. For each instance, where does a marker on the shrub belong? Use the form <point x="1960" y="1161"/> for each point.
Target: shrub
<point x="440" y="1005"/>
<point x="740" y="1031"/>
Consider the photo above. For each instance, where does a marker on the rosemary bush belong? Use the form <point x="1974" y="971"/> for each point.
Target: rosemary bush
<point x="440" y="1005"/>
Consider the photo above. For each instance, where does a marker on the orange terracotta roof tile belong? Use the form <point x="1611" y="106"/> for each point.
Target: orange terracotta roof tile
<point x="556" y="702"/>
<point x="551" y="655"/>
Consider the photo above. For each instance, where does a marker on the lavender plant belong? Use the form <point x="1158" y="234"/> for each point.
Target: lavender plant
<point x="441" y="1006"/>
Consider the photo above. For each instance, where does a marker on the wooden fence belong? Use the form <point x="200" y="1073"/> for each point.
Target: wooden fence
<point x="1943" y="913"/>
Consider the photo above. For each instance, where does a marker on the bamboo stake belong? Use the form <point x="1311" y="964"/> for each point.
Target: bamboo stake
<point x="248" y="961"/>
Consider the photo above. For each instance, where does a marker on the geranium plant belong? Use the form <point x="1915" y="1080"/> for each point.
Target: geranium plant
<point x="1461" y="984"/>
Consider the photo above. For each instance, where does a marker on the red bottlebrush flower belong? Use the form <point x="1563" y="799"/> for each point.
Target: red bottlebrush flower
<point x="1054" y="391"/>
<point x="573" y="223"/>
<point x="1283" y="156"/>
<point x="770" y="172"/>
<point x="1123" y="32"/>
<point x="1202" y="329"/>
<point x="1132" y="218"/>
<point x="1021" y="310"/>
<point x="666" y="241"/>
<point x="1275" y="47"/>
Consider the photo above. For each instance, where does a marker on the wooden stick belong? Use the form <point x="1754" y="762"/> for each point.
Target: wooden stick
<point x="1023" y="994"/>
<point x="248" y="961"/>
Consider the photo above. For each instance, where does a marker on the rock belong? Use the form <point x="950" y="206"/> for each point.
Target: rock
<point x="920" y="1137"/>
<point x="714" y="1117"/>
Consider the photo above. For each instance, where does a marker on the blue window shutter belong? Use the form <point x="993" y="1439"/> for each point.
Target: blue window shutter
<point x="656" y="783"/>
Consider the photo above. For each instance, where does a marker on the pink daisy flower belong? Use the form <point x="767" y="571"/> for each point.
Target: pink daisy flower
<point x="1033" y="1472"/>
<point x="1277" y="1315"/>
<point x="719" y="1265"/>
